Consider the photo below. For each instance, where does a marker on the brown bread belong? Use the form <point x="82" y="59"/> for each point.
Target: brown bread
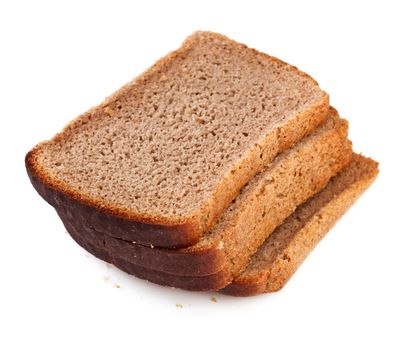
<point x="164" y="156"/>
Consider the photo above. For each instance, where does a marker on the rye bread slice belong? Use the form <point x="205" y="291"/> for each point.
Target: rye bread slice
<point x="282" y="253"/>
<point x="163" y="157"/>
<point x="263" y="204"/>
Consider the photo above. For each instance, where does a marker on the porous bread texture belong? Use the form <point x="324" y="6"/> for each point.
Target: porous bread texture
<point x="263" y="204"/>
<point x="176" y="145"/>
<point x="282" y="253"/>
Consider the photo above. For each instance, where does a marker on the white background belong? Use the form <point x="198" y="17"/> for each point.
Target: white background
<point x="356" y="290"/>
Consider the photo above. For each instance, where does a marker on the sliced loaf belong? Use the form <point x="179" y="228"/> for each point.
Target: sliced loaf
<point x="160" y="160"/>
<point x="282" y="253"/>
<point x="224" y="252"/>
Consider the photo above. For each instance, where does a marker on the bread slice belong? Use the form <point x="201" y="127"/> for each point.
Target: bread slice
<point x="263" y="204"/>
<point x="160" y="159"/>
<point x="282" y="253"/>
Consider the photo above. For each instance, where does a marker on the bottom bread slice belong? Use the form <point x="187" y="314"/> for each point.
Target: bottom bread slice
<point x="288" y="246"/>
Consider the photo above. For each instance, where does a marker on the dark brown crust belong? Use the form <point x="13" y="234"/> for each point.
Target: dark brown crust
<point x="158" y="231"/>
<point x="204" y="283"/>
<point x="172" y="261"/>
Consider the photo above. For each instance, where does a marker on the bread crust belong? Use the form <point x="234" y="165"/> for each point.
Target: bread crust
<point x="192" y="283"/>
<point x="185" y="231"/>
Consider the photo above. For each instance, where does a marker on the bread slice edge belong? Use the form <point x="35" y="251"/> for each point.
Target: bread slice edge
<point x="276" y="273"/>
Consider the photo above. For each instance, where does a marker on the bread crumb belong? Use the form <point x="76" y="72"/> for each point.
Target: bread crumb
<point x="213" y="299"/>
<point x="152" y="246"/>
<point x="106" y="278"/>
<point x="109" y="111"/>
<point x="116" y="285"/>
<point x="179" y="306"/>
<point x="269" y="178"/>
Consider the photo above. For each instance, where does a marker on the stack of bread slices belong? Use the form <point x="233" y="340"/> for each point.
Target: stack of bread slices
<point x="219" y="168"/>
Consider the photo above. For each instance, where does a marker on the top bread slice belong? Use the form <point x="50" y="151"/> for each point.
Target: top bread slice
<point x="163" y="156"/>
